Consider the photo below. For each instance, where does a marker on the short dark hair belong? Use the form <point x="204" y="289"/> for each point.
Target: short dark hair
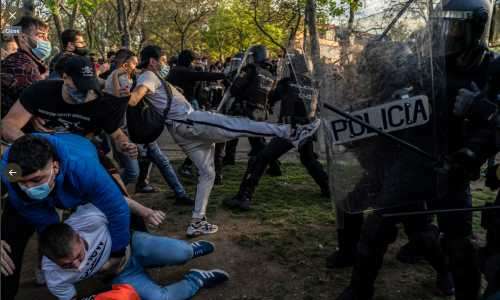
<point x="186" y="57"/>
<point x="56" y="241"/>
<point x="59" y="67"/>
<point x="69" y="36"/>
<point x="110" y="54"/>
<point x="28" y="23"/>
<point x="122" y="56"/>
<point x="31" y="153"/>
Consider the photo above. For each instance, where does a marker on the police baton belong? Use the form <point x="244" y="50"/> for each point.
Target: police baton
<point x="441" y="211"/>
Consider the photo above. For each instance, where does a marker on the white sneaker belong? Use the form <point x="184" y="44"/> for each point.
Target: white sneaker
<point x="303" y="133"/>
<point x="39" y="277"/>
<point x="201" y="228"/>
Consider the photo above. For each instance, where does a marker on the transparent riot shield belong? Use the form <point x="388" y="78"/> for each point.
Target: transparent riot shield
<point x="393" y="82"/>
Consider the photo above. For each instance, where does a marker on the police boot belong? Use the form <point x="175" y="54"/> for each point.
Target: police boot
<point x="345" y="254"/>
<point x="241" y="201"/>
<point x="274" y="169"/>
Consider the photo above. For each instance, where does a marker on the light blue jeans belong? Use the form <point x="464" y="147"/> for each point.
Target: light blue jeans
<point x="130" y="167"/>
<point x="161" y="161"/>
<point x="150" y="251"/>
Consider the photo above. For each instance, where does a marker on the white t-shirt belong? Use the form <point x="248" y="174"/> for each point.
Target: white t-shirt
<point x="180" y="107"/>
<point x="91" y="224"/>
<point x="124" y="81"/>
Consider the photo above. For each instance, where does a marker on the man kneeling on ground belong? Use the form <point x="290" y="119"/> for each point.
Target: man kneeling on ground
<point x="80" y="248"/>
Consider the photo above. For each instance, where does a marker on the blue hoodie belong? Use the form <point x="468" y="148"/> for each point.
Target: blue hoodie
<point x="81" y="179"/>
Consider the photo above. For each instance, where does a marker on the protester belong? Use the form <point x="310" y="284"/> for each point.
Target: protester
<point x="197" y="131"/>
<point x="80" y="248"/>
<point x="73" y="43"/>
<point x="120" y="83"/>
<point x="9" y="46"/>
<point x="19" y="70"/>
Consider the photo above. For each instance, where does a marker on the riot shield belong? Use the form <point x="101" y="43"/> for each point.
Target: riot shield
<point x="395" y="84"/>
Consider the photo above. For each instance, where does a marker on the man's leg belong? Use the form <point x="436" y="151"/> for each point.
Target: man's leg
<point x="491" y="253"/>
<point x="130" y="167"/>
<point x="230" y="153"/>
<point x="348" y="234"/>
<point x="376" y="235"/>
<point x="219" y="162"/>
<point x="202" y="156"/>
<point x="16" y="231"/>
<point x="167" y="171"/>
<point x="310" y="160"/>
<point x="255" y="169"/>
<point x="425" y="237"/>
<point x="458" y="245"/>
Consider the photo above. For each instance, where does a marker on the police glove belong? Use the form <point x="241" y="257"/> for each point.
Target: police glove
<point x="472" y="104"/>
<point x="464" y="162"/>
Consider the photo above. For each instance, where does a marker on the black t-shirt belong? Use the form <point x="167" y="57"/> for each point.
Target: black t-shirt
<point x="44" y="99"/>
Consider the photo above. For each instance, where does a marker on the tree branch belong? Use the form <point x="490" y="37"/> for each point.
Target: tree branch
<point x="255" y="3"/>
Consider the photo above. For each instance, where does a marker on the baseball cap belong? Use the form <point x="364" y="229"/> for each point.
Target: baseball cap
<point x="147" y="53"/>
<point x="81" y="70"/>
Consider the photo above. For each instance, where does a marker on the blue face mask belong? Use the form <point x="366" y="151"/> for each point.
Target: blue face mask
<point x="164" y="69"/>
<point x="38" y="192"/>
<point x="77" y="96"/>
<point x="42" y="49"/>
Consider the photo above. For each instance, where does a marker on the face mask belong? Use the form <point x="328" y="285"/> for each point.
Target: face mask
<point x="77" y="96"/>
<point x="164" y="69"/>
<point x="42" y="49"/>
<point x="81" y="51"/>
<point x="39" y="192"/>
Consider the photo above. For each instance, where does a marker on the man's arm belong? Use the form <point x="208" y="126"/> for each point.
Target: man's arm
<point x="242" y="81"/>
<point x="137" y="95"/>
<point x="123" y="143"/>
<point x="152" y="217"/>
<point x="14" y="121"/>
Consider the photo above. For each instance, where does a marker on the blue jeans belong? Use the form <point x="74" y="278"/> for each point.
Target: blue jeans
<point x="158" y="158"/>
<point x="149" y="251"/>
<point x="130" y="167"/>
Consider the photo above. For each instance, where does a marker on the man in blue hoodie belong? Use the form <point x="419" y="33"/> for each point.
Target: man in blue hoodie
<point x="57" y="171"/>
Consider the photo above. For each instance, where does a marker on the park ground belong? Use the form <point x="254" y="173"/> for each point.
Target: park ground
<point x="276" y="251"/>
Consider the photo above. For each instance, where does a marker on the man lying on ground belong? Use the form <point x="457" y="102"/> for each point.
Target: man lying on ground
<point x="80" y="248"/>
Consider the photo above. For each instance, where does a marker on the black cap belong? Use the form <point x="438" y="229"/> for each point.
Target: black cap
<point x="81" y="70"/>
<point x="147" y="53"/>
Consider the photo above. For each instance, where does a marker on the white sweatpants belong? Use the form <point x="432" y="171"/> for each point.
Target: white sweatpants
<point x="197" y="136"/>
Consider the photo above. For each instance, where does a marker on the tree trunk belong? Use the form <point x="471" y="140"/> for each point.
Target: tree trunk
<point x="74" y="13"/>
<point x="123" y="24"/>
<point x="28" y="7"/>
<point x="58" y="22"/>
<point x="310" y="16"/>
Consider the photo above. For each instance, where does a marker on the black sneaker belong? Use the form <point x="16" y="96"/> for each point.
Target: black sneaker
<point x="184" y="200"/>
<point x="207" y="279"/>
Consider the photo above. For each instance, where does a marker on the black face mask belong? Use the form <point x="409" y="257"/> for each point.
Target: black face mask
<point x="81" y="51"/>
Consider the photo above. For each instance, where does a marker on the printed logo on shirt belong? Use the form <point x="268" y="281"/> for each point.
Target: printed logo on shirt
<point x="87" y="71"/>
<point x="93" y="260"/>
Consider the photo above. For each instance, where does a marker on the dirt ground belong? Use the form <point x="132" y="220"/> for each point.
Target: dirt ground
<point x="276" y="251"/>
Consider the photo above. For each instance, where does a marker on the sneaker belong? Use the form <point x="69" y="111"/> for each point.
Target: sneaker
<point x="145" y="188"/>
<point x="39" y="277"/>
<point x="184" y="200"/>
<point x="202" y="248"/>
<point x="201" y="228"/>
<point x="208" y="279"/>
<point x="303" y="133"/>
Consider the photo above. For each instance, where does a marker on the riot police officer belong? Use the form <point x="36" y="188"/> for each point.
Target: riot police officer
<point x="298" y="98"/>
<point x="251" y="91"/>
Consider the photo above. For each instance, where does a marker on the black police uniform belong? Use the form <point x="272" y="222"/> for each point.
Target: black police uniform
<point x="293" y="111"/>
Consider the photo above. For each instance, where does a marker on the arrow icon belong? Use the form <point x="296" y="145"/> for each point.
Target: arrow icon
<point x="12" y="172"/>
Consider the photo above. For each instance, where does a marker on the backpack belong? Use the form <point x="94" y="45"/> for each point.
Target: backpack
<point x="145" y="124"/>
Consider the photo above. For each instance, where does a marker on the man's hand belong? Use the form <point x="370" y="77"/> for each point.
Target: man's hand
<point x="130" y="149"/>
<point x="7" y="265"/>
<point x="39" y="125"/>
<point x="464" y="100"/>
<point x="154" y="218"/>
<point x="112" y="266"/>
